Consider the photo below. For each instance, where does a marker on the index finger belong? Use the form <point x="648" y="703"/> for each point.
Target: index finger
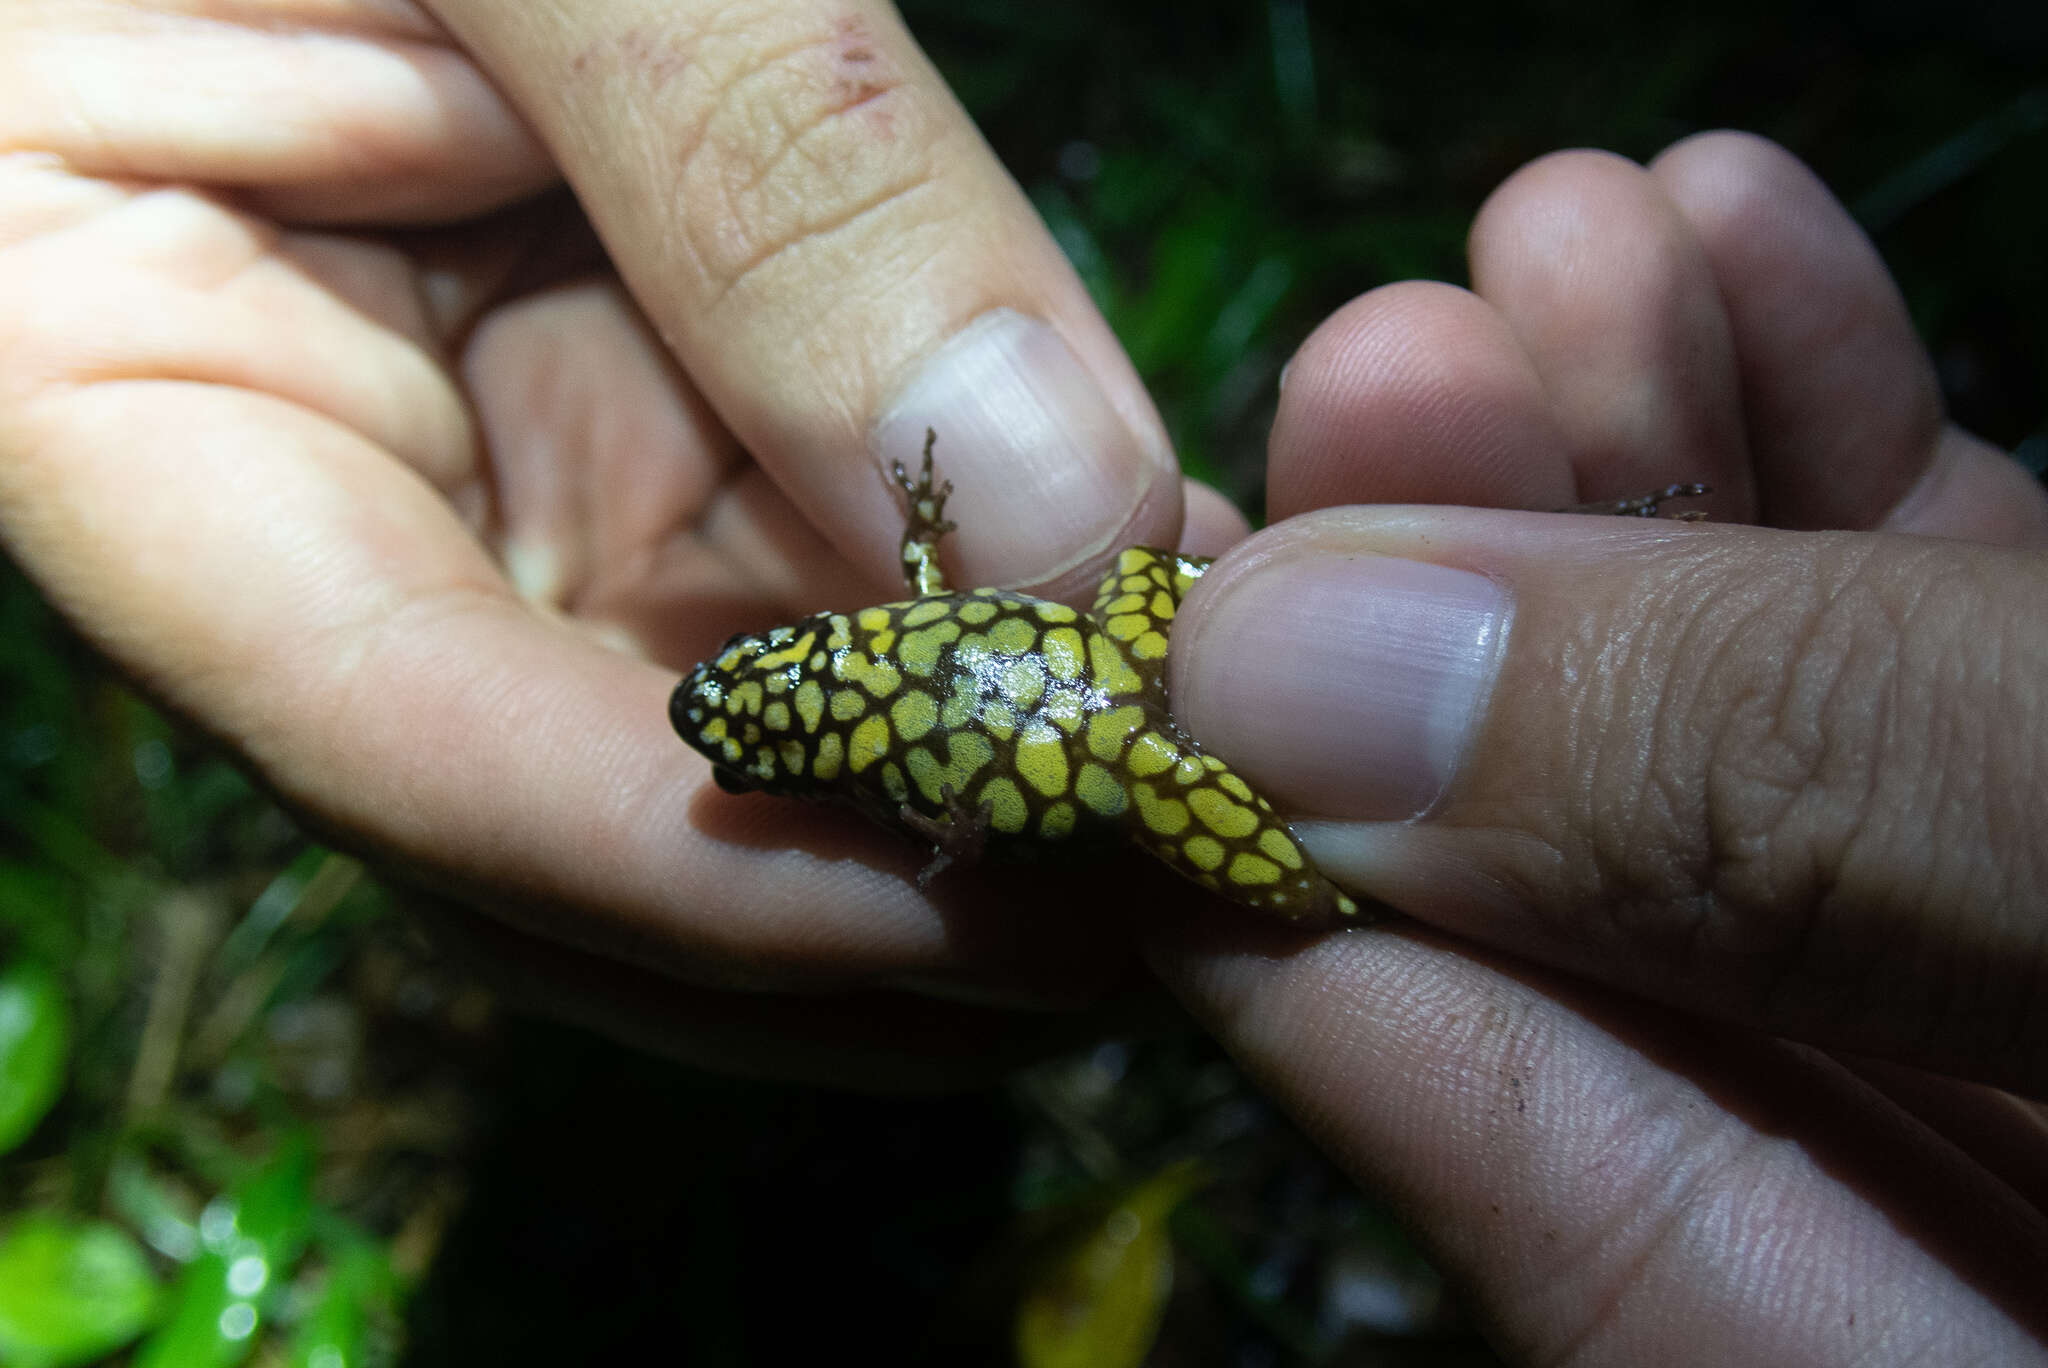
<point x="839" y="262"/>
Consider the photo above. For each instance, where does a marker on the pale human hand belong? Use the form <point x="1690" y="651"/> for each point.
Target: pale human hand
<point x="1738" y="830"/>
<point x="325" y="419"/>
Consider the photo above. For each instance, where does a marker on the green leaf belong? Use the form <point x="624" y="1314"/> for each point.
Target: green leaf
<point x="336" y="1331"/>
<point x="1193" y="270"/>
<point x="35" y="1047"/>
<point x="70" y="1291"/>
<point x="270" y="911"/>
<point x="1245" y="313"/>
<point x="274" y="1208"/>
<point x="1097" y="1300"/>
<point x="253" y="1236"/>
<point x="214" y="1316"/>
<point x="1083" y="248"/>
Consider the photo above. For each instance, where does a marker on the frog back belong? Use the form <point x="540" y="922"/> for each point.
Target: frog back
<point x="1005" y="701"/>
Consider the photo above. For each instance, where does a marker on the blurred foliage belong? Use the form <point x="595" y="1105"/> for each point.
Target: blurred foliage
<point x="1094" y="1293"/>
<point x="70" y="1290"/>
<point x="35" y="1046"/>
<point x="1225" y="174"/>
<point x="241" y="1102"/>
<point x="211" y="1041"/>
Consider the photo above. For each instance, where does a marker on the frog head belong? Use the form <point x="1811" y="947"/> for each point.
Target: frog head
<point x="735" y="709"/>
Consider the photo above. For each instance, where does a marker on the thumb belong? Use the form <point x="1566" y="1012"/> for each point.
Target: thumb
<point x="839" y="263"/>
<point x="1796" y="779"/>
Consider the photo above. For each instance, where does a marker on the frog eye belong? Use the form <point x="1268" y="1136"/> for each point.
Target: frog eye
<point x="743" y="645"/>
<point x="684" y="711"/>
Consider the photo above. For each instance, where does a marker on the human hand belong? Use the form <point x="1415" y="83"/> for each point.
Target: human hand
<point x="1790" y="781"/>
<point x="325" y="420"/>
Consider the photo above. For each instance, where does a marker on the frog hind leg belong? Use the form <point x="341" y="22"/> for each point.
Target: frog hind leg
<point x="1199" y="816"/>
<point x="958" y="837"/>
<point x="925" y="524"/>
<point x="1136" y="603"/>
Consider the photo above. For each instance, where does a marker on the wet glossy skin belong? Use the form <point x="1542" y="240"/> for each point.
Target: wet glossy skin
<point x="995" y="719"/>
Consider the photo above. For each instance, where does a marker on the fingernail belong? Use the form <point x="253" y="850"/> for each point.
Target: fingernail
<point x="1347" y="685"/>
<point x="535" y="569"/>
<point x="1045" y="472"/>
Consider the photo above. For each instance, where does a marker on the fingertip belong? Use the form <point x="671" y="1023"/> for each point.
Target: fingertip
<point x="1414" y="393"/>
<point x="1535" y="194"/>
<point x="1840" y="400"/>
<point x="1601" y="280"/>
<point x="1729" y="154"/>
<point x="1213" y="523"/>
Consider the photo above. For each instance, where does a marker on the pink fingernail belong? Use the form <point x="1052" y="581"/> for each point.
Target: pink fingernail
<point x="1349" y="685"/>
<point x="1044" y="469"/>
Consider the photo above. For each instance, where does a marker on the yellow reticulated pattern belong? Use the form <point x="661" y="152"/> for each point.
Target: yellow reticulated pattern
<point x="994" y="709"/>
<point x="1040" y="755"/>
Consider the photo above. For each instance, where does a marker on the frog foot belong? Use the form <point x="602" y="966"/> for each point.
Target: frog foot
<point x="958" y="837"/>
<point x="1649" y="505"/>
<point x="927" y="502"/>
<point x="926" y="523"/>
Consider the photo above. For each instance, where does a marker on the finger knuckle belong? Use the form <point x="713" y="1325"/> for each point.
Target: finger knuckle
<point x="1789" y="701"/>
<point x="1828" y="782"/>
<point x="1718" y="777"/>
<point x="798" y="131"/>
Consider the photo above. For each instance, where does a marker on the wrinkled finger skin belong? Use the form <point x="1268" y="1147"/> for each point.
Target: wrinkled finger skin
<point x="1773" y="778"/>
<point x="1614" y="1185"/>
